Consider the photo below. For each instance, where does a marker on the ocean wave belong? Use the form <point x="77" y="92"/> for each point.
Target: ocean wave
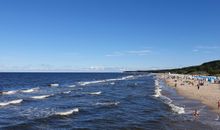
<point x="174" y="108"/>
<point x="177" y="109"/>
<point x="91" y="82"/>
<point x="29" y="90"/>
<point x="156" y="82"/>
<point x="41" y="97"/>
<point x="66" y="113"/>
<point x="11" y="102"/>
<point x="157" y="92"/>
<point x="54" y="85"/>
<point x="10" y="92"/>
<point x="72" y="86"/>
<point x="166" y="100"/>
<point x="157" y="89"/>
<point x="112" y="83"/>
<point x="107" y="103"/>
<point x="67" y="92"/>
<point x="106" y="80"/>
<point x="217" y="118"/>
<point x="96" y="93"/>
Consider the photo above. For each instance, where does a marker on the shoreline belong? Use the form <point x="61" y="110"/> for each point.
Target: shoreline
<point x="208" y="94"/>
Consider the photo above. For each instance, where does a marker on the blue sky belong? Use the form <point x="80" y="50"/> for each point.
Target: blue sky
<point x="107" y="35"/>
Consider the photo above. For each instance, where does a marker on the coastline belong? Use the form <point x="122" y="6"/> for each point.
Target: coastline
<point x="208" y="94"/>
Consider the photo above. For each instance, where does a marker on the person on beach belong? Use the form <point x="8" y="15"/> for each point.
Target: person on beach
<point x="219" y="104"/>
<point x="198" y="86"/>
<point x="196" y="114"/>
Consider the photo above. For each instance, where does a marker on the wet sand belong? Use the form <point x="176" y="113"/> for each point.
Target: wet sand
<point x="208" y="94"/>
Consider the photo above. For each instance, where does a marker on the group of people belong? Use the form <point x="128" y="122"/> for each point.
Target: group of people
<point x="196" y="81"/>
<point x="196" y="112"/>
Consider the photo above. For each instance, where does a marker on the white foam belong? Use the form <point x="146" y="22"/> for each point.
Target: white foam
<point x="29" y="90"/>
<point x="113" y="83"/>
<point x="10" y="92"/>
<point x="168" y="101"/>
<point x="72" y="86"/>
<point x="177" y="109"/>
<point x="67" y="92"/>
<point x="107" y="103"/>
<point x="156" y="82"/>
<point x="91" y="82"/>
<point x="11" y="102"/>
<point x="217" y="118"/>
<point x="41" y="97"/>
<point x="106" y="80"/>
<point x="54" y="85"/>
<point x="96" y="93"/>
<point x="174" y="108"/>
<point x="157" y="89"/>
<point x="75" y="110"/>
<point x="157" y="92"/>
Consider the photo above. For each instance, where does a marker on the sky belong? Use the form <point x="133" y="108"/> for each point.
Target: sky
<point x="107" y="35"/>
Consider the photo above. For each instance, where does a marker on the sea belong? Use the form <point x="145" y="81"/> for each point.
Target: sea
<point x="97" y="101"/>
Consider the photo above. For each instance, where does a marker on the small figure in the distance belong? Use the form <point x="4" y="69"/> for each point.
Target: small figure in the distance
<point x="196" y="114"/>
<point x="219" y="104"/>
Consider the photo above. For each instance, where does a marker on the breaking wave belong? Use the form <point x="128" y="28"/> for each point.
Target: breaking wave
<point x="72" y="86"/>
<point x="10" y="92"/>
<point x="96" y="93"/>
<point x="66" y="113"/>
<point x="177" y="109"/>
<point x="166" y="100"/>
<point x="54" y="85"/>
<point x="11" y="102"/>
<point x="113" y="83"/>
<point x="41" y="97"/>
<point x="107" y="103"/>
<point x="67" y="92"/>
<point x="29" y="90"/>
<point x="157" y="89"/>
<point x="106" y="80"/>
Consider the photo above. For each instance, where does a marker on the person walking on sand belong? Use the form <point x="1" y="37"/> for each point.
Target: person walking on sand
<point x="198" y="86"/>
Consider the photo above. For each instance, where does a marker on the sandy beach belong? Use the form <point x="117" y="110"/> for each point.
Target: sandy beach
<point x="208" y="94"/>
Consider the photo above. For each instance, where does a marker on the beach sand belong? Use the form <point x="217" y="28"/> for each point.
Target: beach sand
<point x="209" y="94"/>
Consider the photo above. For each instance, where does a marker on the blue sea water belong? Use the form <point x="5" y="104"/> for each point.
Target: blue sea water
<point x="95" y="101"/>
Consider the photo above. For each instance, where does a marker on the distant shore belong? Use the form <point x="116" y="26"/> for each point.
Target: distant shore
<point x="208" y="94"/>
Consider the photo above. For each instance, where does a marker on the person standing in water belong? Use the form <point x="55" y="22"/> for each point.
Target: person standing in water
<point x="219" y="104"/>
<point x="196" y="114"/>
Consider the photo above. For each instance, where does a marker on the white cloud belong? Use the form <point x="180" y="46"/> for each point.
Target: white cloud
<point x="52" y="68"/>
<point x="206" y="49"/>
<point x="139" y="52"/>
<point x="127" y="53"/>
<point x="195" y="50"/>
<point x="115" y="54"/>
